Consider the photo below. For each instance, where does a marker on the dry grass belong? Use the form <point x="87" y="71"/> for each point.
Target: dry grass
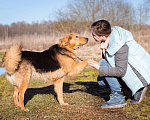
<point x="30" y="42"/>
<point x="142" y="37"/>
<point x="90" y="50"/>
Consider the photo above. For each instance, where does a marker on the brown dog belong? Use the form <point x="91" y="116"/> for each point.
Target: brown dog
<point x="52" y="64"/>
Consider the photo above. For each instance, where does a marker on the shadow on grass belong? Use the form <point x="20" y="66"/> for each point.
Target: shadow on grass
<point x="91" y="88"/>
<point x="94" y="89"/>
<point x="31" y="92"/>
<point x="104" y="91"/>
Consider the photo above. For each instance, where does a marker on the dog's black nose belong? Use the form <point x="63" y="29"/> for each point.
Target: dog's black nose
<point x="87" y="39"/>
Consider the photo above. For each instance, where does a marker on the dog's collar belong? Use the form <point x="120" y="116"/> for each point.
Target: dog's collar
<point x="74" y="52"/>
<point x="70" y="48"/>
<point x="79" y="58"/>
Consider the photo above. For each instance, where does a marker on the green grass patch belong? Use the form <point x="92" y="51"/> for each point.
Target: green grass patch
<point x="1" y="56"/>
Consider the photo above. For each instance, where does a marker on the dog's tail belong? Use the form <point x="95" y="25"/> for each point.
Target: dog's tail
<point x="12" y="58"/>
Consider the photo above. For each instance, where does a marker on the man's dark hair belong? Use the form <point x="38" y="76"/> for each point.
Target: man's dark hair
<point x="101" y="28"/>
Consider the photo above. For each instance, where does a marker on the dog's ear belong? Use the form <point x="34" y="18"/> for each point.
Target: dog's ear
<point x="64" y="41"/>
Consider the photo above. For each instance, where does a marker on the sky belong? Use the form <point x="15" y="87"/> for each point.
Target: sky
<point x="28" y="10"/>
<point x="12" y="11"/>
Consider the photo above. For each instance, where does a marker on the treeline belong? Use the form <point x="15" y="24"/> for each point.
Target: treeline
<point x="78" y="15"/>
<point x="21" y="28"/>
<point x="44" y="28"/>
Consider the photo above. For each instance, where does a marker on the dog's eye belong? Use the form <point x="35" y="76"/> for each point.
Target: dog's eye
<point x="77" y="36"/>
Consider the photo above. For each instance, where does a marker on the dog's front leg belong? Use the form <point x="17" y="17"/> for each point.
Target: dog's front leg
<point x="76" y="68"/>
<point x="58" y="87"/>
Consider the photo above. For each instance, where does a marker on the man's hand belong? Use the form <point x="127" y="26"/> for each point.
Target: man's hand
<point x="94" y="65"/>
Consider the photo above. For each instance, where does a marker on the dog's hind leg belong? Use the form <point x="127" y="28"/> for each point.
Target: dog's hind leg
<point x="22" y="90"/>
<point x="58" y="87"/>
<point x="15" y="96"/>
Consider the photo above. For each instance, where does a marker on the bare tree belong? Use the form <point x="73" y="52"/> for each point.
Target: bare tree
<point x="87" y="11"/>
<point x="78" y="15"/>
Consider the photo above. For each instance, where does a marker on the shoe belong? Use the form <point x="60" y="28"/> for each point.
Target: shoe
<point x="117" y="100"/>
<point x="138" y="96"/>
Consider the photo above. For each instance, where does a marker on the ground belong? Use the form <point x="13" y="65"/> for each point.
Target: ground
<point x="81" y="91"/>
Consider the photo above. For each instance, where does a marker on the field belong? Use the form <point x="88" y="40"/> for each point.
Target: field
<point x="81" y="91"/>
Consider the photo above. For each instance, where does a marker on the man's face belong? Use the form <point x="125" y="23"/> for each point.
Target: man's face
<point x="99" y="38"/>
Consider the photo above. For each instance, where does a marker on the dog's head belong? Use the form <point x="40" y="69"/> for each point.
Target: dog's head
<point x="73" y="41"/>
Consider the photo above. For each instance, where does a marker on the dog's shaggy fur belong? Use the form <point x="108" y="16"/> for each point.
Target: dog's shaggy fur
<point x="52" y="64"/>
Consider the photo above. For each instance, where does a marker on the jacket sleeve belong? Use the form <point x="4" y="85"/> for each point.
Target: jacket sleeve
<point x="121" y="60"/>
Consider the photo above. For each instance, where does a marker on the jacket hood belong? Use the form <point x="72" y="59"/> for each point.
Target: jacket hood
<point x="118" y="38"/>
